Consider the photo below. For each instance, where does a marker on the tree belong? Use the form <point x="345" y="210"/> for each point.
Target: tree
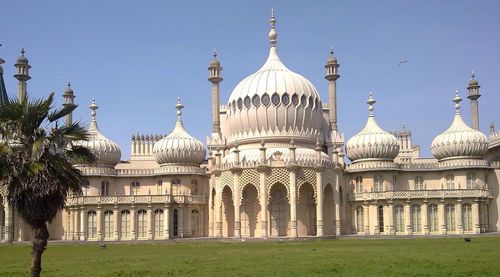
<point x="37" y="158"/>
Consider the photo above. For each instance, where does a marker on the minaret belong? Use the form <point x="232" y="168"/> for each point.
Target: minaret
<point x="473" y="96"/>
<point x="332" y="76"/>
<point x="3" y="92"/>
<point x="68" y="102"/>
<point x="215" y="78"/>
<point x="22" y="75"/>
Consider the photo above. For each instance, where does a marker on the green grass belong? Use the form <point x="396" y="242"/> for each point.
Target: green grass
<point x="350" y="257"/>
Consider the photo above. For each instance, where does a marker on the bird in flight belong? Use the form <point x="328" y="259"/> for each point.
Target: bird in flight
<point x="402" y="62"/>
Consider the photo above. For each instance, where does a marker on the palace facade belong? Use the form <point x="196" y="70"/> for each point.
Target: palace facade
<point x="274" y="166"/>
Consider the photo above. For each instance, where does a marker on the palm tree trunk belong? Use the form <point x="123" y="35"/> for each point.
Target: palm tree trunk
<point x="39" y="242"/>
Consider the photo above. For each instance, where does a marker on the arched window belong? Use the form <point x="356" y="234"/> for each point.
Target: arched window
<point x="450" y="181"/>
<point x="108" y="225"/>
<point x="194" y="187"/>
<point x="419" y="183"/>
<point x="360" y="226"/>
<point x="471" y="181"/>
<point x="125" y="224"/>
<point x="176" y="186"/>
<point x="399" y="222"/>
<point x="104" y="188"/>
<point x="449" y="215"/>
<point x="432" y="218"/>
<point x="91" y="224"/>
<point x="159" y="187"/>
<point x="142" y="223"/>
<point x="467" y="217"/>
<point x="158" y="222"/>
<point x="416" y="219"/>
<point x="378" y="183"/>
<point x="134" y="187"/>
<point x="359" y="184"/>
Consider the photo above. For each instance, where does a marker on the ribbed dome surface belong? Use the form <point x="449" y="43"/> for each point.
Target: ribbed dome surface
<point x="179" y="147"/>
<point x="459" y="140"/>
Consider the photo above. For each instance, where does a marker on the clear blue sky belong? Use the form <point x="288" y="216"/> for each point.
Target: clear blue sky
<point x="136" y="57"/>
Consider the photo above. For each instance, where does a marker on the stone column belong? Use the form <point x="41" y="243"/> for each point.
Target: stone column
<point x="374" y="218"/>
<point x="211" y="219"/>
<point x="441" y="218"/>
<point x="319" y="202"/>
<point x="77" y="224"/>
<point x="407" y="216"/>
<point x="181" y="221"/>
<point x="133" y="227"/>
<point x="390" y="218"/>
<point x="475" y="217"/>
<point x="116" y="223"/>
<point x="458" y="216"/>
<point x="83" y="224"/>
<point x="72" y="224"/>
<point x="366" y="217"/>
<point x="218" y="215"/>
<point x="338" y="211"/>
<point x="263" y="202"/>
<point x="425" y="218"/>
<point x="188" y="229"/>
<point x="166" y="222"/>
<point x="236" y="202"/>
<point x="99" y="223"/>
<point x="293" y="202"/>
<point x="149" y="223"/>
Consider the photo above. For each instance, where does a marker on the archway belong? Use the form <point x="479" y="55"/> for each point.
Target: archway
<point x="279" y="211"/>
<point x="328" y="211"/>
<point x="228" y="212"/>
<point x="250" y="212"/>
<point x="306" y="211"/>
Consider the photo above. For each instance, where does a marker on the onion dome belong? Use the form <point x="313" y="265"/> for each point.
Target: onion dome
<point x="331" y="58"/>
<point x="372" y="143"/>
<point x="215" y="62"/>
<point x="107" y="152"/>
<point x="179" y="147"/>
<point x="274" y="101"/>
<point x="459" y="140"/>
<point x="473" y="81"/>
<point x="22" y="58"/>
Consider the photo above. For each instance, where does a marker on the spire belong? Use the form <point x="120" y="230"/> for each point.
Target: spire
<point x="370" y="103"/>
<point x="273" y="35"/>
<point x="179" y="108"/>
<point x="332" y="76"/>
<point x="3" y="91"/>
<point x="457" y="101"/>
<point x="93" y="122"/>
<point x="474" y="96"/>
<point x="22" y="74"/>
<point x="68" y="101"/>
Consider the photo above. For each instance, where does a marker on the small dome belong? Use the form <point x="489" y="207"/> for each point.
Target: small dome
<point x="68" y="90"/>
<point x="179" y="147"/>
<point x="215" y="62"/>
<point x="331" y="58"/>
<point x="459" y="140"/>
<point x="473" y="81"/>
<point x="22" y="58"/>
<point x="107" y="152"/>
<point x="372" y="143"/>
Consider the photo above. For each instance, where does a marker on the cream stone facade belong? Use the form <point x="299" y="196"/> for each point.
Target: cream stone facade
<point x="274" y="166"/>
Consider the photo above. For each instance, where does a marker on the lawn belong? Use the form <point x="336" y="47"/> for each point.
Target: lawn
<point x="343" y="257"/>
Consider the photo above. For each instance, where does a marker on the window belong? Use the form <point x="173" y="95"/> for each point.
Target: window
<point x="285" y="99"/>
<point x="275" y="99"/>
<point x="125" y="224"/>
<point x="311" y="102"/>
<point x="194" y="187"/>
<point x="158" y="222"/>
<point x="303" y="100"/>
<point x="104" y="188"/>
<point x="360" y="226"/>
<point x="471" y="181"/>
<point x="108" y="225"/>
<point x="378" y="183"/>
<point x="256" y="101"/>
<point x="142" y="224"/>
<point x="359" y="184"/>
<point x="399" y="223"/>
<point x="91" y="224"/>
<point x="419" y="183"/>
<point x="265" y="100"/>
<point x="449" y="215"/>
<point x="394" y="181"/>
<point x="416" y="222"/>
<point x="381" y="219"/>
<point x="134" y="187"/>
<point x="159" y="187"/>
<point x="450" y="181"/>
<point x="240" y="104"/>
<point x="467" y="217"/>
<point x="432" y="218"/>
<point x="175" y="222"/>
<point x="247" y="102"/>
<point x="176" y="186"/>
<point x="295" y="100"/>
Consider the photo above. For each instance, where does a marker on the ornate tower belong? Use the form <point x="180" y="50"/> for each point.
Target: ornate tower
<point x="68" y="102"/>
<point x="215" y="78"/>
<point x="22" y="74"/>
<point x="332" y="76"/>
<point x="473" y="96"/>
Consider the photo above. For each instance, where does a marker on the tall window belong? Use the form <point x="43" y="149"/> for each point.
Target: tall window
<point x="142" y="224"/>
<point x="419" y="183"/>
<point x="467" y="217"/>
<point x="394" y="181"/>
<point x="91" y="224"/>
<point x="175" y="222"/>
<point x="432" y="218"/>
<point x="194" y="187"/>
<point x="399" y="222"/>
<point x="381" y="218"/>
<point x="104" y="188"/>
<point x="449" y="215"/>
<point x="359" y="184"/>
<point x="471" y="181"/>
<point x="159" y="187"/>
<point x="176" y="184"/>
<point x="378" y="183"/>
<point x="134" y="187"/>
<point x="360" y="226"/>
<point x="108" y="225"/>
<point x="416" y="221"/>
<point x="158" y="222"/>
<point x="450" y="181"/>
<point x="125" y="224"/>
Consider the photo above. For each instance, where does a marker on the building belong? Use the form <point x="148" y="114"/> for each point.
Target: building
<point x="275" y="168"/>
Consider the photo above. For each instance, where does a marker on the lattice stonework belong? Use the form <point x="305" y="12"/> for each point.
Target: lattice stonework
<point x="306" y="175"/>
<point x="249" y="176"/>
<point x="328" y="178"/>
<point x="278" y="175"/>
<point x="225" y="179"/>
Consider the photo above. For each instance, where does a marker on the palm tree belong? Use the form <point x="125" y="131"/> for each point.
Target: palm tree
<point x="37" y="158"/>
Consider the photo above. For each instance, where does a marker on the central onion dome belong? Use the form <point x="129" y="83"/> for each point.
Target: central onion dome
<point x="179" y="147"/>
<point x="372" y="143"/>
<point x="107" y="152"/>
<point x="274" y="101"/>
<point x="459" y="140"/>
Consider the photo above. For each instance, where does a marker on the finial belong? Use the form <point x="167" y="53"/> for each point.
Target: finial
<point x="93" y="107"/>
<point x="457" y="101"/>
<point x="472" y="75"/>
<point x="179" y="108"/>
<point x="404" y="126"/>
<point x="272" y="33"/>
<point x="331" y="50"/>
<point x="492" y="127"/>
<point x="292" y="142"/>
<point x="22" y="50"/>
<point x="370" y="103"/>
<point x="215" y="54"/>
<point x="69" y="84"/>
<point x="262" y="143"/>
